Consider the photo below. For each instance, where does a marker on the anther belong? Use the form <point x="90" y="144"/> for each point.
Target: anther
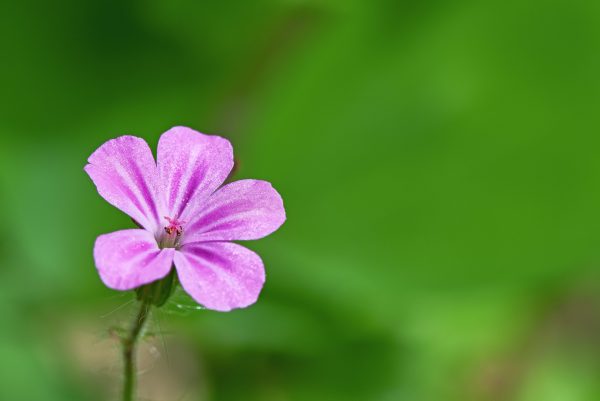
<point x="174" y="230"/>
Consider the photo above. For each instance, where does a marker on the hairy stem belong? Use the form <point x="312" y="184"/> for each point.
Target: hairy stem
<point x="129" y="348"/>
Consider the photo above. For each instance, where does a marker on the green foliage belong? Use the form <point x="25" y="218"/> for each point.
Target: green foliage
<point x="438" y="162"/>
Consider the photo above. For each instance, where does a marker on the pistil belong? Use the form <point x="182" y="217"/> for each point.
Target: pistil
<point x="173" y="232"/>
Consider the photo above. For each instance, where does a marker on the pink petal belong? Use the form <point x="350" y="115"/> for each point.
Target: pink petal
<point x="241" y="210"/>
<point x="220" y="275"/>
<point x="130" y="258"/>
<point x="125" y="174"/>
<point x="191" y="166"/>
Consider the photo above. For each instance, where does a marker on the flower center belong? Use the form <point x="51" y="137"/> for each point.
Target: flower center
<point x="173" y="231"/>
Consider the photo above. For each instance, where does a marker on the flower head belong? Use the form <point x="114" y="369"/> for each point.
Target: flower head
<point x="188" y="219"/>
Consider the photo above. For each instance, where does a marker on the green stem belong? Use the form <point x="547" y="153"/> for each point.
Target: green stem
<point x="129" y="348"/>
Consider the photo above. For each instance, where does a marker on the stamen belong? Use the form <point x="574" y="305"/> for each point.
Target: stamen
<point x="174" y="231"/>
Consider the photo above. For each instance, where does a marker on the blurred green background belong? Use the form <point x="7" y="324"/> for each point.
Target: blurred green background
<point x="439" y="162"/>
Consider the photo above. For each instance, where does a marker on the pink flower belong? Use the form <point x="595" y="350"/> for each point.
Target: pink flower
<point x="188" y="219"/>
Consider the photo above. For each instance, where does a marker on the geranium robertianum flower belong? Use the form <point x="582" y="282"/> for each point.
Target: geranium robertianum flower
<point x="188" y="219"/>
